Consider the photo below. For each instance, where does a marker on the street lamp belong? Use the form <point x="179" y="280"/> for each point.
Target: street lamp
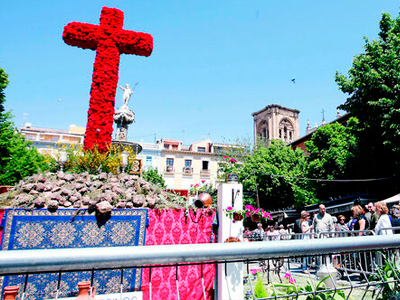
<point x="62" y="159"/>
<point x="124" y="156"/>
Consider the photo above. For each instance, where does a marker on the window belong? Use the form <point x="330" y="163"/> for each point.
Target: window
<point x="188" y="163"/>
<point x="205" y="165"/>
<point x="174" y="147"/>
<point x="188" y="166"/>
<point x="148" y="161"/>
<point x="218" y="149"/>
<point x="286" y="130"/>
<point x="166" y="146"/>
<point x="201" y="149"/>
<point x="49" y="138"/>
<point x="170" y="162"/>
<point x="30" y="137"/>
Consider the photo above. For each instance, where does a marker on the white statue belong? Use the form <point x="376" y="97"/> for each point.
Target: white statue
<point x="127" y="94"/>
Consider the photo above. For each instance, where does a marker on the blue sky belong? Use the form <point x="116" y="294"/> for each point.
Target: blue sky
<point x="214" y="63"/>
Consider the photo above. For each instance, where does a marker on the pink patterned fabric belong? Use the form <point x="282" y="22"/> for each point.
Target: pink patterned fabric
<point x="168" y="227"/>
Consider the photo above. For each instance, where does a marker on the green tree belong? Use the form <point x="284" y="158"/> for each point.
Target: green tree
<point x="373" y="86"/>
<point x="3" y="85"/>
<point x="18" y="158"/>
<point x="272" y="174"/>
<point x="152" y="176"/>
<point x="332" y="149"/>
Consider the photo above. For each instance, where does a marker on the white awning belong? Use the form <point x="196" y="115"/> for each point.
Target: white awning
<point x="395" y="198"/>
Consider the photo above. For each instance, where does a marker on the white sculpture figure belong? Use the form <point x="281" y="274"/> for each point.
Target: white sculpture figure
<point x="127" y="94"/>
<point x="124" y="116"/>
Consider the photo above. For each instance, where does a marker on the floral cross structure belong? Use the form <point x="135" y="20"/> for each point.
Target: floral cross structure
<point x="109" y="40"/>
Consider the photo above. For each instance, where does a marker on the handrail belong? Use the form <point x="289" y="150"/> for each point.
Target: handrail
<point x="79" y="259"/>
<point x="388" y="228"/>
<point x="352" y="232"/>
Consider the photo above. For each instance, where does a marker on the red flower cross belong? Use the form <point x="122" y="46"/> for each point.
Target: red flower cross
<point x="109" y="40"/>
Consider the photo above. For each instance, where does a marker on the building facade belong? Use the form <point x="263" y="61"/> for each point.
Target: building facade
<point x="182" y="166"/>
<point x="150" y="156"/>
<point x="276" y="122"/>
<point x="46" y="139"/>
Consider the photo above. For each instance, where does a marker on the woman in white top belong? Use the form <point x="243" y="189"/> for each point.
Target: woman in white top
<point x="306" y="229"/>
<point x="384" y="221"/>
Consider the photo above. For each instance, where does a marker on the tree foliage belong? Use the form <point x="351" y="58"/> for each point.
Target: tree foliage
<point x="332" y="149"/>
<point x="153" y="176"/>
<point x="18" y="158"/>
<point x="272" y="174"/>
<point x="373" y="86"/>
<point x="3" y="85"/>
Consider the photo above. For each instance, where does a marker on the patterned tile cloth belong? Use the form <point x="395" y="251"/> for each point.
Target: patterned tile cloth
<point x="40" y="229"/>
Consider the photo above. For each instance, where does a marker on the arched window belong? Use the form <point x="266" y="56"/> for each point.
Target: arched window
<point x="286" y="130"/>
<point x="262" y="130"/>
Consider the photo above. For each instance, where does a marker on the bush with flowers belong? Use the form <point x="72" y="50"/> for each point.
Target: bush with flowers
<point x="197" y="188"/>
<point x="92" y="160"/>
<point x="229" y="164"/>
<point x="248" y="212"/>
<point x="203" y="187"/>
<point x="290" y="278"/>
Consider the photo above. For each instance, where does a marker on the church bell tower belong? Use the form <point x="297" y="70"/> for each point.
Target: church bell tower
<point x="276" y="122"/>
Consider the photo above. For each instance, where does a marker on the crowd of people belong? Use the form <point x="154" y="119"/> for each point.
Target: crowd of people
<point x="370" y="219"/>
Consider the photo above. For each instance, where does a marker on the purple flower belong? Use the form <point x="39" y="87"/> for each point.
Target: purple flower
<point x="229" y="208"/>
<point x="255" y="271"/>
<point x="291" y="279"/>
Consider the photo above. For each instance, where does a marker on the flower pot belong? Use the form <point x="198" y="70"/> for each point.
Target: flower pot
<point x="255" y="218"/>
<point x="237" y="217"/>
<point x="204" y="200"/>
<point x="84" y="289"/>
<point x="232" y="178"/>
<point x="10" y="292"/>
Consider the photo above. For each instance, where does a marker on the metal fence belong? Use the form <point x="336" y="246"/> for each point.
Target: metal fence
<point x="279" y="264"/>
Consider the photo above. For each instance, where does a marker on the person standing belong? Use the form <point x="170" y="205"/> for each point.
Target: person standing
<point x="371" y="215"/>
<point x="259" y="233"/>
<point x="323" y="221"/>
<point x="341" y="226"/>
<point x="272" y="234"/>
<point x="306" y="230"/>
<point x="384" y="221"/>
<point x="361" y="222"/>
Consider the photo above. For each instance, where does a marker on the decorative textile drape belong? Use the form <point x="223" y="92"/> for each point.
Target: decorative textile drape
<point x="167" y="227"/>
<point x="66" y="228"/>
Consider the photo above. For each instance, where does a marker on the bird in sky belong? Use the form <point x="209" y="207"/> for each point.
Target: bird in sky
<point x="294" y="80"/>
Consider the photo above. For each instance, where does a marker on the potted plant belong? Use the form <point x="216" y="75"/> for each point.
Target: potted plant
<point x="249" y="211"/>
<point x="229" y="169"/>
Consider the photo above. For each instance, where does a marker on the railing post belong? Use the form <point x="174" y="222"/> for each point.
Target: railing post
<point x="230" y="275"/>
<point x="10" y="292"/>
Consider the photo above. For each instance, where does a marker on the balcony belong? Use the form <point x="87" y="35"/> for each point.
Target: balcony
<point x="169" y="170"/>
<point x="204" y="173"/>
<point x="187" y="171"/>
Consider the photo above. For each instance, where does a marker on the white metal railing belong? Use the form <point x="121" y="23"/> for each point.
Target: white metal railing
<point x="278" y="254"/>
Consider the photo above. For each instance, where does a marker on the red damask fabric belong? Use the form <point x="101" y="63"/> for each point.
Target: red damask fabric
<point x="169" y="227"/>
